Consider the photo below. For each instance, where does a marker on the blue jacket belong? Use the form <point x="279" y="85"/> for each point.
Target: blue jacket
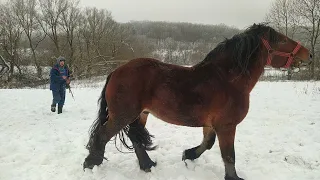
<point x="56" y="80"/>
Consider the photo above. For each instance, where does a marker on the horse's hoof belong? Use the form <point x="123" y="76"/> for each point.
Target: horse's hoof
<point x="90" y="162"/>
<point x="189" y="154"/>
<point x="87" y="165"/>
<point x="184" y="158"/>
<point x="147" y="170"/>
<point x="147" y="167"/>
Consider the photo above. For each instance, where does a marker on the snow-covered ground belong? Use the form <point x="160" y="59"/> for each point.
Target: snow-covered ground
<point x="278" y="140"/>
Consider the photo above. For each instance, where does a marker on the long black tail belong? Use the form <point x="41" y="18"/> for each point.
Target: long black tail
<point x="102" y="116"/>
<point x="138" y="135"/>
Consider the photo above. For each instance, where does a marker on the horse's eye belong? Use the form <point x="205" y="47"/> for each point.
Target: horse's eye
<point x="284" y="41"/>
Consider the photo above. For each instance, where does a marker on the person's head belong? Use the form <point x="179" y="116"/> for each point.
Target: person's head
<point x="61" y="61"/>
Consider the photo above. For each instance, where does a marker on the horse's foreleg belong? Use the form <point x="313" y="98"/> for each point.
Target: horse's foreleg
<point x="226" y="143"/>
<point x="141" y="140"/>
<point x="209" y="137"/>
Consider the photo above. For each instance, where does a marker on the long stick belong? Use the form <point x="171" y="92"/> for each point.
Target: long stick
<point x="71" y="93"/>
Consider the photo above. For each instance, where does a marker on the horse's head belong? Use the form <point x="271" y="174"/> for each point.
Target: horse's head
<point x="258" y="45"/>
<point x="284" y="52"/>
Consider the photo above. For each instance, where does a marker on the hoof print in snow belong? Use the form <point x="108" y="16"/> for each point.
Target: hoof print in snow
<point x="298" y="161"/>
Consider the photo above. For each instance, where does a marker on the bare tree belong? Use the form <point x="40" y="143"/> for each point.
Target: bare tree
<point x="5" y="68"/>
<point x="119" y="37"/>
<point x="101" y="25"/>
<point x="96" y="27"/>
<point x="26" y="13"/>
<point x="51" y="12"/>
<point x="10" y="37"/>
<point x="282" y="16"/>
<point x="70" y="23"/>
<point x="309" y="13"/>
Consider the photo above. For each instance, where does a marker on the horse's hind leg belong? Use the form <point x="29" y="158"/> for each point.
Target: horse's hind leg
<point x="209" y="137"/>
<point x="141" y="140"/>
<point x="98" y="140"/>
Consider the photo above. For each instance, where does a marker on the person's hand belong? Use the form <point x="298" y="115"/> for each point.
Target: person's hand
<point x="68" y="81"/>
<point x="64" y="77"/>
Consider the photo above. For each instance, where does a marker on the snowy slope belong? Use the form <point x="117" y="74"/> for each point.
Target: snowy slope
<point x="278" y="140"/>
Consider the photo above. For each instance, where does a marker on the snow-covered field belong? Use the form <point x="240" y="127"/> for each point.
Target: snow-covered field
<point x="278" y="140"/>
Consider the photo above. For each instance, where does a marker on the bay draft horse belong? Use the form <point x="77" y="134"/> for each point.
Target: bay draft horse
<point x="213" y="94"/>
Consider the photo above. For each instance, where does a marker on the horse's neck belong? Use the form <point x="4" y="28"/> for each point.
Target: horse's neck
<point x="222" y="69"/>
<point x="246" y="82"/>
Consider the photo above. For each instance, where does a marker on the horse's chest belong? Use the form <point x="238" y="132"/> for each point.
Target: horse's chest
<point x="237" y="109"/>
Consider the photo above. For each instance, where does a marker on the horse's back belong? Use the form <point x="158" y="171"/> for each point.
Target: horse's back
<point x="152" y="64"/>
<point x="148" y="69"/>
<point x="136" y="82"/>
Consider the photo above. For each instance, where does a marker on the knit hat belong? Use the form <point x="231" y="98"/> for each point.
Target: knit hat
<point x="60" y="59"/>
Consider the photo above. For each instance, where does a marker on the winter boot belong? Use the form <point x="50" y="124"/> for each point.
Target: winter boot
<point x="53" y="108"/>
<point x="59" y="109"/>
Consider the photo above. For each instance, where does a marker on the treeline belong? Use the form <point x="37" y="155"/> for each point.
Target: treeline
<point x="36" y="32"/>
<point x="181" y="43"/>
<point x="33" y="33"/>
<point x="184" y="32"/>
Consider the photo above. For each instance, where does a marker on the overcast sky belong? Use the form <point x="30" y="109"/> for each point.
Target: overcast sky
<point x="239" y="13"/>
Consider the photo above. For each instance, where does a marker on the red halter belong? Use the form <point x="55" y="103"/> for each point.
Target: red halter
<point x="272" y="52"/>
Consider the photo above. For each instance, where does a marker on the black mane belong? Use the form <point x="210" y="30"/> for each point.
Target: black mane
<point x="243" y="48"/>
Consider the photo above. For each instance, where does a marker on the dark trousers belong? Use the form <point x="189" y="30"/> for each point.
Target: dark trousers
<point x="59" y="97"/>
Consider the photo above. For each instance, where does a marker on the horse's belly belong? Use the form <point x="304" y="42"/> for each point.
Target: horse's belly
<point x="177" y="118"/>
